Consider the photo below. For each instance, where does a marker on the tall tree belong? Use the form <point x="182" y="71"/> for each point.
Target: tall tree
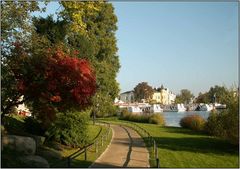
<point x="185" y="96"/>
<point x="16" y="28"/>
<point x="217" y="93"/>
<point x="202" y="98"/>
<point x="16" y="21"/>
<point x="54" y="31"/>
<point x="143" y="91"/>
<point x="92" y="28"/>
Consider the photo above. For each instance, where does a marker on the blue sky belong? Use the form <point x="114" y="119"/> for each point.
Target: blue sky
<point x="180" y="45"/>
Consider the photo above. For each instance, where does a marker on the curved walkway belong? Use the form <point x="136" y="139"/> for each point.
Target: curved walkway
<point x="127" y="149"/>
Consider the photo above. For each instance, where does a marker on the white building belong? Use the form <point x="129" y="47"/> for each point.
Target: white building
<point x="171" y="98"/>
<point x="127" y="97"/>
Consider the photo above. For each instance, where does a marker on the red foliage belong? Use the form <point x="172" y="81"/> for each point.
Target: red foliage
<point x="21" y="86"/>
<point x="70" y="75"/>
<point x="56" y="99"/>
<point x="58" y="80"/>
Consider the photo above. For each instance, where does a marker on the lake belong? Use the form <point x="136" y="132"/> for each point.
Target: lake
<point x="173" y="118"/>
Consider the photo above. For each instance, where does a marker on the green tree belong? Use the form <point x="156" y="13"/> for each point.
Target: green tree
<point x="184" y="97"/>
<point x="103" y="105"/>
<point x="15" y="21"/>
<point x="217" y="93"/>
<point x="221" y="94"/>
<point x="92" y="27"/>
<point x="16" y="28"/>
<point x="96" y="22"/>
<point x="54" y="31"/>
<point x="202" y="98"/>
<point x="226" y="123"/>
<point x="143" y="91"/>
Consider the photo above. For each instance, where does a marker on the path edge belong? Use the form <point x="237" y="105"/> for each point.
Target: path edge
<point x="113" y="133"/>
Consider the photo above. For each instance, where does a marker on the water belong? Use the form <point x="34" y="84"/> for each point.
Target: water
<point x="173" y="118"/>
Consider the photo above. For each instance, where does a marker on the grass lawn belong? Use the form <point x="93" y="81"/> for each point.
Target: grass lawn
<point x="79" y="162"/>
<point x="183" y="148"/>
<point x="55" y="154"/>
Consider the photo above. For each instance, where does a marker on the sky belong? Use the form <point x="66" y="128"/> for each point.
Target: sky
<point x="181" y="45"/>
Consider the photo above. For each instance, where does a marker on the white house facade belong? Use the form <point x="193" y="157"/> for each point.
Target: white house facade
<point x="127" y="97"/>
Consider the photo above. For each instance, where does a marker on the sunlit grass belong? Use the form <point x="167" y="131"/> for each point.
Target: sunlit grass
<point x="178" y="147"/>
<point x="93" y="132"/>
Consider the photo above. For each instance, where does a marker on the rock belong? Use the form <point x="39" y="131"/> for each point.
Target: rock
<point x="49" y="154"/>
<point x="25" y="145"/>
<point x="39" y="140"/>
<point x="8" y="141"/>
<point x="34" y="161"/>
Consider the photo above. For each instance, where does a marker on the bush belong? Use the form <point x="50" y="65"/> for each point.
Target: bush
<point x="33" y="126"/>
<point x="124" y="114"/>
<point x="14" y="124"/>
<point x="157" y="119"/>
<point x="193" y="122"/>
<point x="224" y="124"/>
<point x="153" y="118"/>
<point x="213" y="125"/>
<point x="70" y="129"/>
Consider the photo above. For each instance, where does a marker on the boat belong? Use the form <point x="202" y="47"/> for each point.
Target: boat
<point x="220" y="106"/>
<point x="156" y="108"/>
<point x="181" y="108"/>
<point x="175" y="108"/>
<point x="169" y="108"/>
<point x="204" y="107"/>
<point x="134" y="109"/>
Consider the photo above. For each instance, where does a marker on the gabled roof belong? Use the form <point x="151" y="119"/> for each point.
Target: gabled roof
<point x="127" y="92"/>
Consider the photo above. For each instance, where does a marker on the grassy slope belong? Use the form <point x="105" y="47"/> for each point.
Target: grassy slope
<point x="79" y="161"/>
<point x="16" y="127"/>
<point x="179" y="147"/>
<point x="91" y="154"/>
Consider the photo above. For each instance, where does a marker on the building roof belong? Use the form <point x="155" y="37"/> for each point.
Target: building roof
<point x="127" y="92"/>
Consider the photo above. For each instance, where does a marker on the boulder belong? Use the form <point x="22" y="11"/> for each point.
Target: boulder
<point x="49" y="154"/>
<point x="34" y="161"/>
<point x="39" y="140"/>
<point x="25" y="145"/>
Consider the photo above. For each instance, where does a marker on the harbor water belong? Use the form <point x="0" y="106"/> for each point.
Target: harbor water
<point x="173" y="118"/>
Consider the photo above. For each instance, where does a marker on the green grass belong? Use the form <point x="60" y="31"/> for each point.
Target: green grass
<point x="178" y="148"/>
<point x="91" y="153"/>
<point x="93" y="131"/>
<point x="55" y="156"/>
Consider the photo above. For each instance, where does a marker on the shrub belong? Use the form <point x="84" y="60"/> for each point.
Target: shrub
<point x="224" y="124"/>
<point x="139" y="118"/>
<point x="33" y="126"/>
<point x="157" y="119"/>
<point x="153" y="118"/>
<point x="124" y="114"/>
<point x="193" y="122"/>
<point x="213" y="125"/>
<point x="14" y="124"/>
<point x="70" y="128"/>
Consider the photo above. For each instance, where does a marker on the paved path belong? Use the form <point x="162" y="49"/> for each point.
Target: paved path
<point x="127" y="149"/>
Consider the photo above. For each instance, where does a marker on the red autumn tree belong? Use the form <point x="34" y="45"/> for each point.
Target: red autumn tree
<point x="55" y="81"/>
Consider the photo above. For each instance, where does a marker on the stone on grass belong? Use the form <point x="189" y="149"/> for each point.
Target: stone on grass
<point x="25" y="145"/>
